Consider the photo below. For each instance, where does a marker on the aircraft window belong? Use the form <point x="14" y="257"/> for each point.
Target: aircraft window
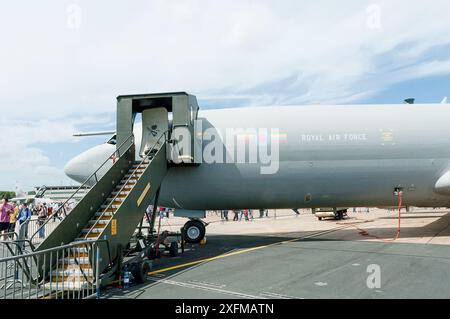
<point x="113" y="140"/>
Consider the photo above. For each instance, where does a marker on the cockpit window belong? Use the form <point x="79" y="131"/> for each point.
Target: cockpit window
<point x="112" y="140"/>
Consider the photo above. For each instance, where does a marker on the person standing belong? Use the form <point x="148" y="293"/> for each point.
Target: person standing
<point x="225" y="214"/>
<point x="42" y="216"/>
<point x="261" y="213"/>
<point x="245" y="214"/>
<point x="6" y="210"/>
<point x="236" y="215"/>
<point x="167" y="212"/>
<point x="24" y="217"/>
<point x="13" y="218"/>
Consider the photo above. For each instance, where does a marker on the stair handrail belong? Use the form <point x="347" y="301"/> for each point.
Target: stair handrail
<point x="83" y="186"/>
<point x="146" y="156"/>
<point x="40" y="192"/>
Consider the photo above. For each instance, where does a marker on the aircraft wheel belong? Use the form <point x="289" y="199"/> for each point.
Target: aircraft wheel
<point x="194" y="231"/>
<point x="319" y="218"/>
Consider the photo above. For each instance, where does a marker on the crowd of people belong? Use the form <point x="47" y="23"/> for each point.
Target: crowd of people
<point x="14" y="215"/>
<point x="242" y="214"/>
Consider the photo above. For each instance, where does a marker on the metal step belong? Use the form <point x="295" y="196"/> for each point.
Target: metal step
<point x="122" y="193"/>
<point x="71" y="261"/>
<point x="105" y="218"/>
<point x="91" y="236"/>
<point x="123" y="182"/>
<point x="98" y="222"/>
<point x="68" y="285"/>
<point x="105" y="206"/>
<point x="136" y="170"/>
<point x="74" y="271"/>
<point x="79" y="278"/>
<point x="98" y="214"/>
<point x="122" y="188"/>
<point x="136" y="176"/>
<point x="80" y="249"/>
<point x="115" y="199"/>
<point x="143" y="165"/>
<point x="94" y="230"/>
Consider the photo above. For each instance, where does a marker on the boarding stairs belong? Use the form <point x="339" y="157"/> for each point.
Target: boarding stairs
<point x="112" y="220"/>
<point x="119" y="194"/>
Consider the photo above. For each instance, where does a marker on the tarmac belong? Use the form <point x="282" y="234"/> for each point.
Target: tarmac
<point x="285" y="256"/>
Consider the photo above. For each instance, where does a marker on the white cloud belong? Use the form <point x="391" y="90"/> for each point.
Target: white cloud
<point x="23" y="162"/>
<point x="265" y="51"/>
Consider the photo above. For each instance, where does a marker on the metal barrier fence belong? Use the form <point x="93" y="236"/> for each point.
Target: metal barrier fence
<point x="69" y="271"/>
<point x="40" y="228"/>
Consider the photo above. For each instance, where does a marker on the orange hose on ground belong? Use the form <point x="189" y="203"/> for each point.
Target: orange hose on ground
<point x="363" y="232"/>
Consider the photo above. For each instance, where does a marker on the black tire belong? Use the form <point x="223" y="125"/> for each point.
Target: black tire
<point x="319" y="218"/>
<point x="194" y="231"/>
<point x="151" y="254"/>
<point x="140" y="272"/>
<point x="173" y="249"/>
<point x="339" y="215"/>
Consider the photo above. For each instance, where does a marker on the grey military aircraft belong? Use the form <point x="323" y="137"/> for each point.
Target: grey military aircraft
<point x="306" y="157"/>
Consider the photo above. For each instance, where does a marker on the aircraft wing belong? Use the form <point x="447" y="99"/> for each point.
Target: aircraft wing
<point x="94" y="133"/>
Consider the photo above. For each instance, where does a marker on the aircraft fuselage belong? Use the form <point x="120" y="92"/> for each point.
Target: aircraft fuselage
<point x="327" y="156"/>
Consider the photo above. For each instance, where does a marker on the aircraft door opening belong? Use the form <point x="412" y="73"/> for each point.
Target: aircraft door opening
<point x="155" y="122"/>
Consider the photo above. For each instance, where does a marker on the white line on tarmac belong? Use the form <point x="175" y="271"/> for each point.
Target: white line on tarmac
<point x="194" y="286"/>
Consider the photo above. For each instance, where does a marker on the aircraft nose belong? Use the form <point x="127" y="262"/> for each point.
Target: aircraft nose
<point x="73" y="169"/>
<point x="82" y="166"/>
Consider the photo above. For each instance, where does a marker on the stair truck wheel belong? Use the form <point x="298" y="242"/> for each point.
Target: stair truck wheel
<point x="194" y="231"/>
<point x="140" y="271"/>
<point x="173" y="249"/>
<point x="151" y="253"/>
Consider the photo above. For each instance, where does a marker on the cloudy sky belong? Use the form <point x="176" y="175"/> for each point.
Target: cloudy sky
<point x="62" y="63"/>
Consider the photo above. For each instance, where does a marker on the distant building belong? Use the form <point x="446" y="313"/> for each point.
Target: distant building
<point x="60" y="193"/>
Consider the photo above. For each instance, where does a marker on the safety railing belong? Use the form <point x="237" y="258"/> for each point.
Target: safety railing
<point x="69" y="271"/>
<point x="41" y="191"/>
<point x="148" y="154"/>
<point x="60" y="213"/>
